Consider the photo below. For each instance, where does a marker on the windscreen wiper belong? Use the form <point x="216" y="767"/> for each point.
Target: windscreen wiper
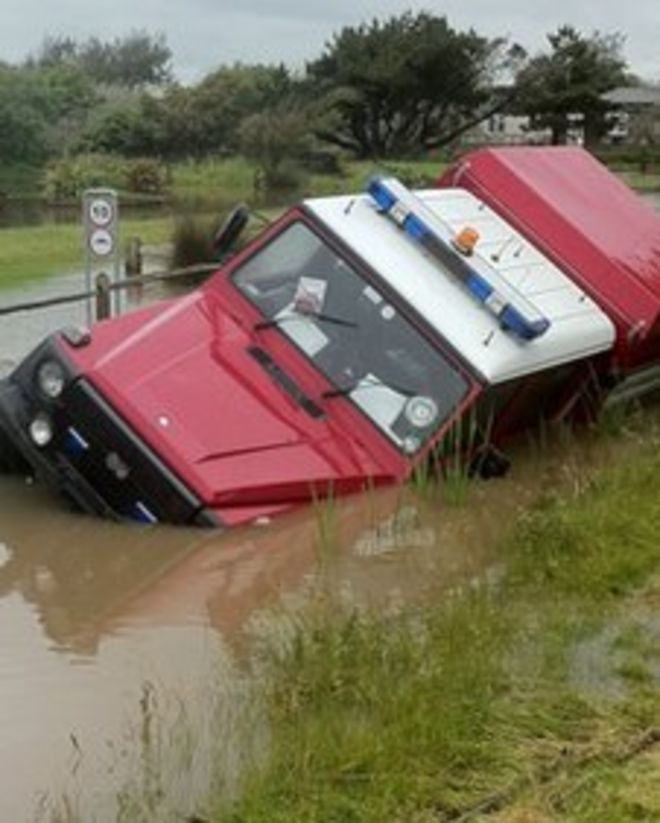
<point x="367" y="383"/>
<point x="324" y="318"/>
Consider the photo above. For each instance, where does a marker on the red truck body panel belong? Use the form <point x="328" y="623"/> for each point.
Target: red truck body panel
<point x="589" y="222"/>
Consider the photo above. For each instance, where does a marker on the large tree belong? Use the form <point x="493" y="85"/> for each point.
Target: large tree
<point x="40" y="110"/>
<point x="187" y="121"/>
<point x="132" y="127"/>
<point x="23" y="128"/>
<point x="275" y="139"/>
<point x="405" y="84"/>
<point x="137" y="59"/>
<point x="567" y="85"/>
<point x="206" y="118"/>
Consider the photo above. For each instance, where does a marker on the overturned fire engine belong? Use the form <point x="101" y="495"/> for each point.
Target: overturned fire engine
<point x="344" y="346"/>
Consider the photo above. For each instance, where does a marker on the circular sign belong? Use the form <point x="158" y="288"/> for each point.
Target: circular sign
<point x="101" y="242"/>
<point x="101" y="212"/>
<point x="421" y="411"/>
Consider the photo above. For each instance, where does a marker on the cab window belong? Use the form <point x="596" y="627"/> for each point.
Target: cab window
<point x="361" y="342"/>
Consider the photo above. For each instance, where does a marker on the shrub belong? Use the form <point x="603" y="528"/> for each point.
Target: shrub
<point x="145" y="176"/>
<point x="322" y="161"/>
<point x="192" y="242"/>
<point x="276" y="140"/>
<point x="630" y="155"/>
<point x="68" y="178"/>
<point x="411" y="176"/>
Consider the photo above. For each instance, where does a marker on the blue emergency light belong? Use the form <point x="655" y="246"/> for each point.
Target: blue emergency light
<point x="513" y="311"/>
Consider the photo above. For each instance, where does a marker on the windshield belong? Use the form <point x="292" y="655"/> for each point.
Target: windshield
<point x="353" y="335"/>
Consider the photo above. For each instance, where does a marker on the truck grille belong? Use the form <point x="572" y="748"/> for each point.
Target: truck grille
<point x="119" y="466"/>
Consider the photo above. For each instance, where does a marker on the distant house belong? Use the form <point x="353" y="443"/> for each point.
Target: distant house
<point x="512" y="129"/>
<point x="505" y="127"/>
<point x="635" y="114"/>
<point x="634" y="118"/>
<point x="516" y="129"/>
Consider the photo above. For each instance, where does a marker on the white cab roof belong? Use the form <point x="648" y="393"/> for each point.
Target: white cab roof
<point x="578" y="327"/>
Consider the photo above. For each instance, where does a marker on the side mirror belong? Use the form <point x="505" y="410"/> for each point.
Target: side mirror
<point x="229" y="232"/>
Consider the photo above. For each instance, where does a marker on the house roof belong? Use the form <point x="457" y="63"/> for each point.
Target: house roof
<point x="634" y="96"/>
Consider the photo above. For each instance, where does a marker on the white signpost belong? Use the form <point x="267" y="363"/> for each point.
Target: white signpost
<point x="101" y="240"/>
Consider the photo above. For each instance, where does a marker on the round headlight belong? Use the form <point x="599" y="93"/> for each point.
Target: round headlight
<point x="411" y="444"/>
<point x="41" y="430"/>
<point x="421" y="411"/>
<point x="51" y="379"/>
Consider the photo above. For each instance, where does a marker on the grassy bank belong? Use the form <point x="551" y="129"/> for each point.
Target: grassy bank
<point x="532" y="697"/>
<point x="32" y="253"/>
<point x="233" y="179"/>
<point x="649" y="182"/>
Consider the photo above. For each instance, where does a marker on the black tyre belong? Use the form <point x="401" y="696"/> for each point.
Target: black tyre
<point x="488" y="463"/>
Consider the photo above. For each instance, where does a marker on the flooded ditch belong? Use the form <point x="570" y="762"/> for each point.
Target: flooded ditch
<point x="93" y="616"/>
<point x="121" y="648"/>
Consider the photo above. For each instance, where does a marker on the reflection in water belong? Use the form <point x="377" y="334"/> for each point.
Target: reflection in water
<point x="33" y="212"/>
<point x="91" y="611"/>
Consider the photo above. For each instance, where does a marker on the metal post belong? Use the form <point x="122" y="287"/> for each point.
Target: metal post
<point x="133" y="263"/>
<point x="103" y="296"/>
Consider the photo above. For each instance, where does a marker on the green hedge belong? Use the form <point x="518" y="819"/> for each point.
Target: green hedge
<point x="626" y="156"/>
<point x="67" y="179"/>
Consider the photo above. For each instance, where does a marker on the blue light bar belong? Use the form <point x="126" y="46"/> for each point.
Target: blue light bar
<point x="514" y="312"/>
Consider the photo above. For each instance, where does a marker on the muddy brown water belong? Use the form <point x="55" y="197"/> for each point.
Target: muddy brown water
<point x="121" y="648"/>
<point x="95" y="616"/>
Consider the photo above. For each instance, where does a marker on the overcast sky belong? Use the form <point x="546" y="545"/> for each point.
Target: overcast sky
<point x="206" y="33"/>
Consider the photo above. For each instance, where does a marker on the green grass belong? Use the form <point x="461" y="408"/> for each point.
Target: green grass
<point x="417" y="173"/>
<point x="223" y="181"/>
<point x="35" y="252"/>
<point x="228" y="181"/>
<point x="471" y="705"/>
<point x="649" y="182"/>
<point x="231" y="180"/>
